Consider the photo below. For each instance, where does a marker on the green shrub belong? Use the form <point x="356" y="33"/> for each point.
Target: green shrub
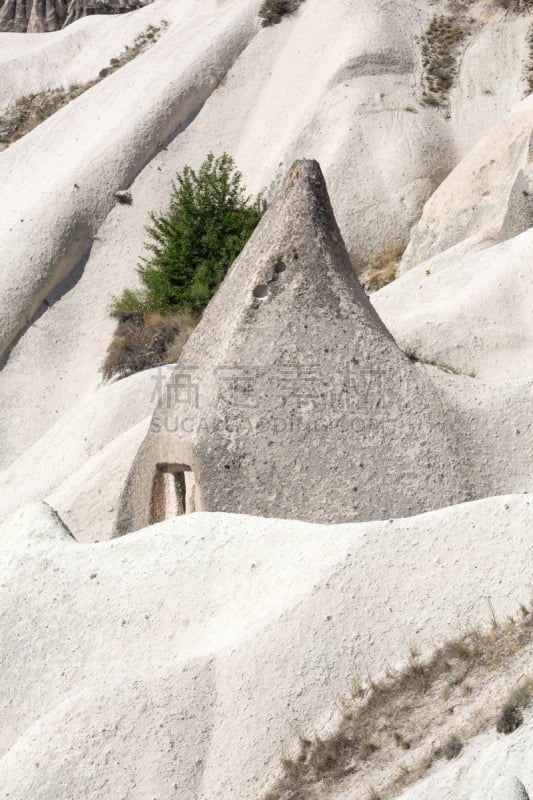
<point x="191" y="247"/>
<point x="209" y="221"/>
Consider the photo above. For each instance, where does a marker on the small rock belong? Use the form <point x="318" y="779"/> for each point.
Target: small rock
<point x="510" y="788"/>
<point x="124" y="198"/>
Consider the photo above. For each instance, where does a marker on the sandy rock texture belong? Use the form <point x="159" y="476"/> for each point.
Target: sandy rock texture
<point x="473" y="313"/>
<point x="189" y="656"/>
<point x="291" y="351"/>
<point x="34" y="63"/>
<point x="491" y="79"/>
<point x="491" y="766"/>
<point x="224" y="91"/>
<point x="393" y="432"/>
<point x="81" y="464"/>
<point x="184" y="659"/>
<point x="354" y="106"/>
<point x="476" y="194"/>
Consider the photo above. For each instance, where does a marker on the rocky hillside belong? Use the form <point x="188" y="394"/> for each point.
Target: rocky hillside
<point x="347" y="613"/>
<point x="37" y="16"/>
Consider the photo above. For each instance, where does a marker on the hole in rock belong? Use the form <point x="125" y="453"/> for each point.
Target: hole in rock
<point x="280" y="266"/>
<point x="261" y="290"/>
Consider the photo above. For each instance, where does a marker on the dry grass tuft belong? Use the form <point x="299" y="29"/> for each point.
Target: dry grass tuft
<point x="516" y="6"/>
<point x="273" y="11"/>
<point x="141" y="342"/>
<point x="452" y="747"/>
<point x="392" y="713"/>
<point x="380" y="270"/>
<point x="415" y="358"/>
<point x="27" y="112"/>
<point x="511" y="716"/>
<point x="400" y="741"/>
<point x="528" y="72"/>
<point x="439" y="58"/>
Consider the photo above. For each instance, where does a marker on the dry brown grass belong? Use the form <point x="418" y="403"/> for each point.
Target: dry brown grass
<point x="528" y="69"/>
<point x="511" y="715"/>
<point x="273" y="11"/>
<point x="515" y="6"/>
<point x="142" y="342"/>
<point x="391" y="716"/>
<point x="413" y="356"/>
<point x="25" y="113"/>
<point x="379" y="271"/>
<point x="440" y="46"/>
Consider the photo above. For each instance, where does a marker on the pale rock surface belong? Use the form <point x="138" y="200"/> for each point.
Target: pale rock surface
<point x="34" y="63"/>
<point x="519" y="216"/>
<point x="510" y="788"/>
<point x="471" y="312"/>
<point x="184" y="659"/>
<point x="56" y="204"/>
<point x="188" y="657"/>
<point x="473" y="200"/>
<point x="81" y="463"/>
<point x="88" y="500"/>
<point x="345" y="104"/>
<point x="487" y="769"/>
<point x="491" y="81"/>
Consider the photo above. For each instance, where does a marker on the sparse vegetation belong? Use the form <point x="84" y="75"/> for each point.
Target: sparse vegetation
<point x="439" y="58"/>
<point x="511" y="716"/>
<point x="413" y="356"/>
<point x="516" y="6"/>
<point x="191" y="247"/>
<point x="529" y="65"/>
<point x="28" y="111"/>
<point x="452" y="747"/>
<point x="430" y="100"/>
<point x="400" y="741"/>
<point x="273" y="11"/>
<point x="373" y="726"/>
<point x="380" y="270"/>
<point x="144" y="341"/>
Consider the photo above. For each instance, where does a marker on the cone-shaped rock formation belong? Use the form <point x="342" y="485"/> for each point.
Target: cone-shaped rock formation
<point x="291" y="398"/>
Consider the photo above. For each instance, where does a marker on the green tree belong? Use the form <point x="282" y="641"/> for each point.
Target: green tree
<point x="191" y="247"/>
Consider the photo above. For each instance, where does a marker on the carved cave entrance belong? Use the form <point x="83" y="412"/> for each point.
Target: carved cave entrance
<point x="173" y="492"/>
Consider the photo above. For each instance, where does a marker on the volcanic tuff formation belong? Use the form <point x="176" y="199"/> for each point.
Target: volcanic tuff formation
<point x="291" y="399"/>
<point x="299" y="404"/>
<point x="38" y="16"/>
<point x="186" y="658"/>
